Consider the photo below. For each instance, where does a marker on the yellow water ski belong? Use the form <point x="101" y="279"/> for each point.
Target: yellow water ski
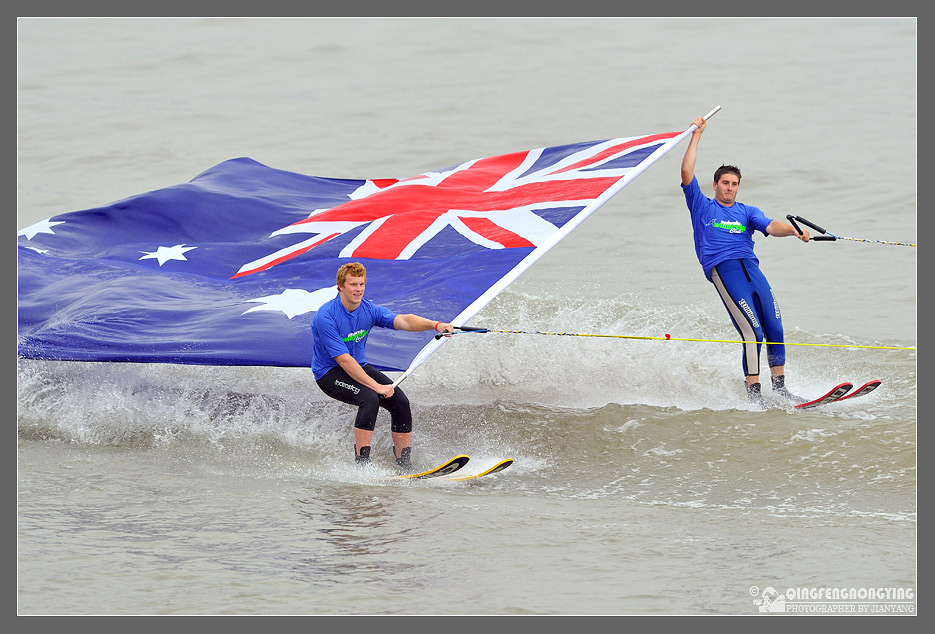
<point x="500" y="466"/>
<point x="445" y="469"/>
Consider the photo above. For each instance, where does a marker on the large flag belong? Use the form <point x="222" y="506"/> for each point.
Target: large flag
<point x="230" y="268"/>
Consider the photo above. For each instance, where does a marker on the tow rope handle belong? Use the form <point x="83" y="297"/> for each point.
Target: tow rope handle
<point x="463" y="329"/>
<point x="792" y="219"/>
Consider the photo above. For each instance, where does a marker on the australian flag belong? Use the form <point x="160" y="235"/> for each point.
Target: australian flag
<point x="230" y="268"/>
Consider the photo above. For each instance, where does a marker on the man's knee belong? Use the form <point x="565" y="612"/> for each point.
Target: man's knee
<point x="400" y="400"/>
<point x="367" y="410"/>
<point x="401" y="413"/>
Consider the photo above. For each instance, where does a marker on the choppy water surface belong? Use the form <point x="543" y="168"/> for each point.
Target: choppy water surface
<point x="644" y="483"/>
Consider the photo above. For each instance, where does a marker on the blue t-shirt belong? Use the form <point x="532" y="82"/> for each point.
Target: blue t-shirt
<point x="722" y="233"/>
<point x="336" y="331"/>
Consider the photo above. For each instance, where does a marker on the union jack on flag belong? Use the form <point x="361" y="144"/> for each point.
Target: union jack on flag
<point x="229" y="268"/>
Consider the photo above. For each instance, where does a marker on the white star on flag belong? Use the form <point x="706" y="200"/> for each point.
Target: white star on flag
<point x="164" y="254"/>
<point x="40" y="227"/>
<point x="295" y="301"/>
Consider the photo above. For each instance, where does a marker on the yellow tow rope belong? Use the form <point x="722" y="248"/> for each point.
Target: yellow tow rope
<point x="670" y="338"/>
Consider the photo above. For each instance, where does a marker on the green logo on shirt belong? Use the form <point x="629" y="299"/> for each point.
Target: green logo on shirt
<point x="734" y="226"/>
<point x="355" y="336"/>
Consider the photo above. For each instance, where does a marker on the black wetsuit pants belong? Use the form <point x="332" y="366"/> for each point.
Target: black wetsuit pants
<point x="337" y="384"/>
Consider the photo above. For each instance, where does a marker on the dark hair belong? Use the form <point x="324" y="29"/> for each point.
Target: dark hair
<point x="726" y="169"/>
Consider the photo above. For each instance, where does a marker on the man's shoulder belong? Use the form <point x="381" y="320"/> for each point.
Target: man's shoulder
<point x="369" y="306"/>
<point x="381" y="315"/>
<point x="327" y="311"/>
<point x="746" y="209"/>
<point x="693" y="193"/>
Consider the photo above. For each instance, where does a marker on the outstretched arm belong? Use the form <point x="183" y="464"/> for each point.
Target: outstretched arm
<point x="414" y="323"/>
<point x="781" y="229"/>
<point x="688" y="161"/>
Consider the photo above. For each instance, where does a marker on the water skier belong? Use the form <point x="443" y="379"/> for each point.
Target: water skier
<point x="339" y="361"/>
<point x="723" y="234"/>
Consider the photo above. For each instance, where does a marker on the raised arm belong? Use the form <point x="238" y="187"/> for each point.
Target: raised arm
<point x="691" y="152"/>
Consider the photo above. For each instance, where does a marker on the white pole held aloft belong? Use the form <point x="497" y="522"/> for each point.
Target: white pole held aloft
<point x="481" y="301"/>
